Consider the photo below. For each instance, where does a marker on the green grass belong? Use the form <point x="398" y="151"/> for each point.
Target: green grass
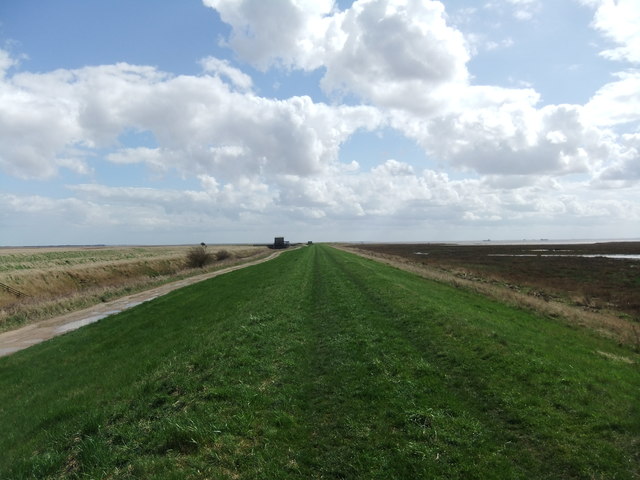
<point x="321" y="364"/>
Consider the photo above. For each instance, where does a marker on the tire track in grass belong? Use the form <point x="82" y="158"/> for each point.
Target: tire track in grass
<point x="381" y="381"/>
<point x="441" y="403"/>
<point x="493" y="398"/>
<point x="367" y="396"/>
<point x="341" y="392"/>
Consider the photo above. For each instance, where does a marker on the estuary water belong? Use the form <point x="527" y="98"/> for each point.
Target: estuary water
<point x="596" y="255"/>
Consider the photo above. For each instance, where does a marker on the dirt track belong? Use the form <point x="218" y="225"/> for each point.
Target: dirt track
<point x="15" y="340"/>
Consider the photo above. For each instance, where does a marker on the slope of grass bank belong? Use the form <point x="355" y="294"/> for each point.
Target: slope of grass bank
<point x="582" y="274"/>
<point x="321" y="364"/>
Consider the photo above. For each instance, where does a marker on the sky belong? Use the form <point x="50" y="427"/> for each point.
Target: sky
<point x="235" y="121"/>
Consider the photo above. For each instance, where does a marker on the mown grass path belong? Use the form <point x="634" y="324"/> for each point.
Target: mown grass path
<point x="321" y="364"/>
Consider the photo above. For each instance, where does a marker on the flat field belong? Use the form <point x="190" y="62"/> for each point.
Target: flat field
<point x="322" y="364"/>
<point x="47" y="281"/>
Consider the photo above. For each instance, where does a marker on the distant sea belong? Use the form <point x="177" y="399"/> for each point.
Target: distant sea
<point x="543" y="241"/>
<point x="525" y="241"/>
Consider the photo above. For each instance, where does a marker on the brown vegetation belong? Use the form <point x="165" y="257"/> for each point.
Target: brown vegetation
<point x="199" y="257"/>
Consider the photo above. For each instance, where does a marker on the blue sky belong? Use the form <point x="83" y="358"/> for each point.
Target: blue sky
<point x="237" y="120"/>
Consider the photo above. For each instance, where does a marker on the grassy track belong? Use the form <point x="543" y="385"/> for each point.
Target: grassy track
<point x="321" y="364"/>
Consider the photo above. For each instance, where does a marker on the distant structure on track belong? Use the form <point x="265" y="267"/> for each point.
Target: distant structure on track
<point x="279" y="243"/>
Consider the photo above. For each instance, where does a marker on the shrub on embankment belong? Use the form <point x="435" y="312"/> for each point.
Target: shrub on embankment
<point x="320" y="364"/>
<point x="200" y="256"/>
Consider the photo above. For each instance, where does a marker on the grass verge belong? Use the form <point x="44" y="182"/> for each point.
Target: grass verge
<point x="321" y="364"/>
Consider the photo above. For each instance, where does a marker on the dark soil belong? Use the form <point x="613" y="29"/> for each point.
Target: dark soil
<point x="548" y="270"/>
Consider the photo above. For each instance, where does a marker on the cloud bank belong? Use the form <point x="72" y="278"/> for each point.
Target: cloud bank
<point x="495" y="158"/>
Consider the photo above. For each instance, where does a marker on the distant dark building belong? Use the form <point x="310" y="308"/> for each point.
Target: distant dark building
<point x="279" y="242"/>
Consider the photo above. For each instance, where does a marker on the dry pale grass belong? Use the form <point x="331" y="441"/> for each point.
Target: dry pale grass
<point x="609" y="324"/>
<point x="56" y="280"/>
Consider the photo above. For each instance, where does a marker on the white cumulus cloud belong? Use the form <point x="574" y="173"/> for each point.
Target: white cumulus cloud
<point x="494" y="157"/>
<point x="617" y="102"/>
<point x="619" y="21"/>
<point x="392" y="53"/>
<point x="201" y="123"/>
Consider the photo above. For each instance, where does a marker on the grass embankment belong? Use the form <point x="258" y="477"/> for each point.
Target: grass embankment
<point x="579" y="274"/>
<point x="321" y="364"/>
<point x="569" y="282"/>
<point x="58" y="280"/>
